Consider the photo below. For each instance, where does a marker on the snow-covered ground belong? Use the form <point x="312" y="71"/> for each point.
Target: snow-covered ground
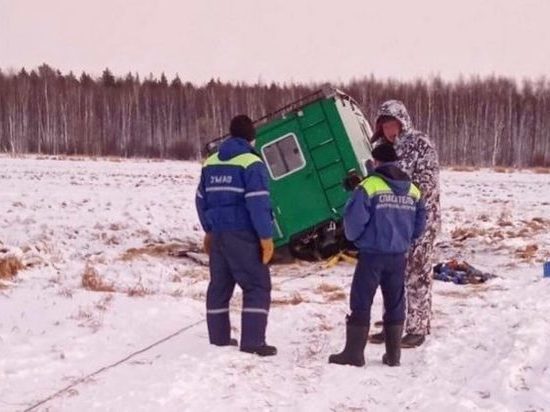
<point x="112" y="267"/>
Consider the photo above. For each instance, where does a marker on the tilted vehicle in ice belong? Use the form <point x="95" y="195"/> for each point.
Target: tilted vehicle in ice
<point x="313" y="148"/>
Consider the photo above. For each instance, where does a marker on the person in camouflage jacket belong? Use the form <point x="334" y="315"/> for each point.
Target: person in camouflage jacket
<point x="419" y="159"/>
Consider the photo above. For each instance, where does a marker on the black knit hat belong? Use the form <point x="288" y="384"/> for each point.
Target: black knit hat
<point x="242" y="126"/>
<point x="385" y="118"/>
<point x="385" y="153"/>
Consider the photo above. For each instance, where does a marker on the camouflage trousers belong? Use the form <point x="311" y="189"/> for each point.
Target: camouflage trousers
<point x="418" y="284"/>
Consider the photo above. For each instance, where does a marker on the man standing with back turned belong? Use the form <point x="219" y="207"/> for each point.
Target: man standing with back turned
<point x="235" y="212"/>
<point x="383" y="217"/>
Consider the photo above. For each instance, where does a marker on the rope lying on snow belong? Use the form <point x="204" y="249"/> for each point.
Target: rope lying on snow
<point x="103" y="369"/>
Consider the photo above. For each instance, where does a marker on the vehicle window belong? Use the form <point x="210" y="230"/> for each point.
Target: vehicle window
<point x="283" y="156"/>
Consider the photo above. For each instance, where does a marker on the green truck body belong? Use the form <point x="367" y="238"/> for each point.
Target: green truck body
<point x="310" y="148"/>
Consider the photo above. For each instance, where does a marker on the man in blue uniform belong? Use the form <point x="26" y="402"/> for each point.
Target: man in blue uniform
<point x="235" y="212"/>
<point x="383" y="217"/>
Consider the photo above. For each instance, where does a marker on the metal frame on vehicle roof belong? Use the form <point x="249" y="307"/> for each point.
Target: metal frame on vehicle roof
<point x="327" y="91"/>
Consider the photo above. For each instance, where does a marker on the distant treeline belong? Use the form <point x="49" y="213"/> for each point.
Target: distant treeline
<point x="477" y="121"/>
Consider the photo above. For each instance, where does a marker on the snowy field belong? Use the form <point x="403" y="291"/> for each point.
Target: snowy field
<point x="112" y="266"/>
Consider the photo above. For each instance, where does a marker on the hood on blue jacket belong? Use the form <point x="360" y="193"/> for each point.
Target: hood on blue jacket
<point x="234" y="146"/>
<point x="398" y="180"/>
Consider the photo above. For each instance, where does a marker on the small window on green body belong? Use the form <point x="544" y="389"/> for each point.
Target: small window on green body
<point x="283" y="156"/>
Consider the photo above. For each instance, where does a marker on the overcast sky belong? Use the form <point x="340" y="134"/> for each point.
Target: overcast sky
<point x="293" y="40"/>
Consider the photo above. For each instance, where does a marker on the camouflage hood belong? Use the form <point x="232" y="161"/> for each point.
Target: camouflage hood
<point x="397" y="109"/>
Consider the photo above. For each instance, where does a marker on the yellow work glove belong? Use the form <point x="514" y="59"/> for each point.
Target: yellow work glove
<point x="267" y="250"/>
<point x="207" y="243"/>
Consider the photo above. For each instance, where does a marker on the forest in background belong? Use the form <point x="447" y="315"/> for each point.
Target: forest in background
<point x="492" y="121"/>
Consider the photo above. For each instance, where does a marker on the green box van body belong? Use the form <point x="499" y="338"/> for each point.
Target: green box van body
<point x="310" y="147"/>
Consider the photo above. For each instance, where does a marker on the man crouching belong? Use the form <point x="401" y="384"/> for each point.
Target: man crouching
<point x="383" y="217"/>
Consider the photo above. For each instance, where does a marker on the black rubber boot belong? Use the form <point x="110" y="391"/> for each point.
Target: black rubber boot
<point x="412" y="341"/>
<point x="377" y="338"/>
<point x="392" y="356"/>
<point x="264" y="350"/>
<point x="353" y="353"/>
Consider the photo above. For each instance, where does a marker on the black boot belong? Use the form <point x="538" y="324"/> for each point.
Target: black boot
<point x="393" y="345"/>
<point x="411" y="340"/>
<point x="353" y="353"/>
<point x="377" y="338"/>
<point x="263" y="350"/>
